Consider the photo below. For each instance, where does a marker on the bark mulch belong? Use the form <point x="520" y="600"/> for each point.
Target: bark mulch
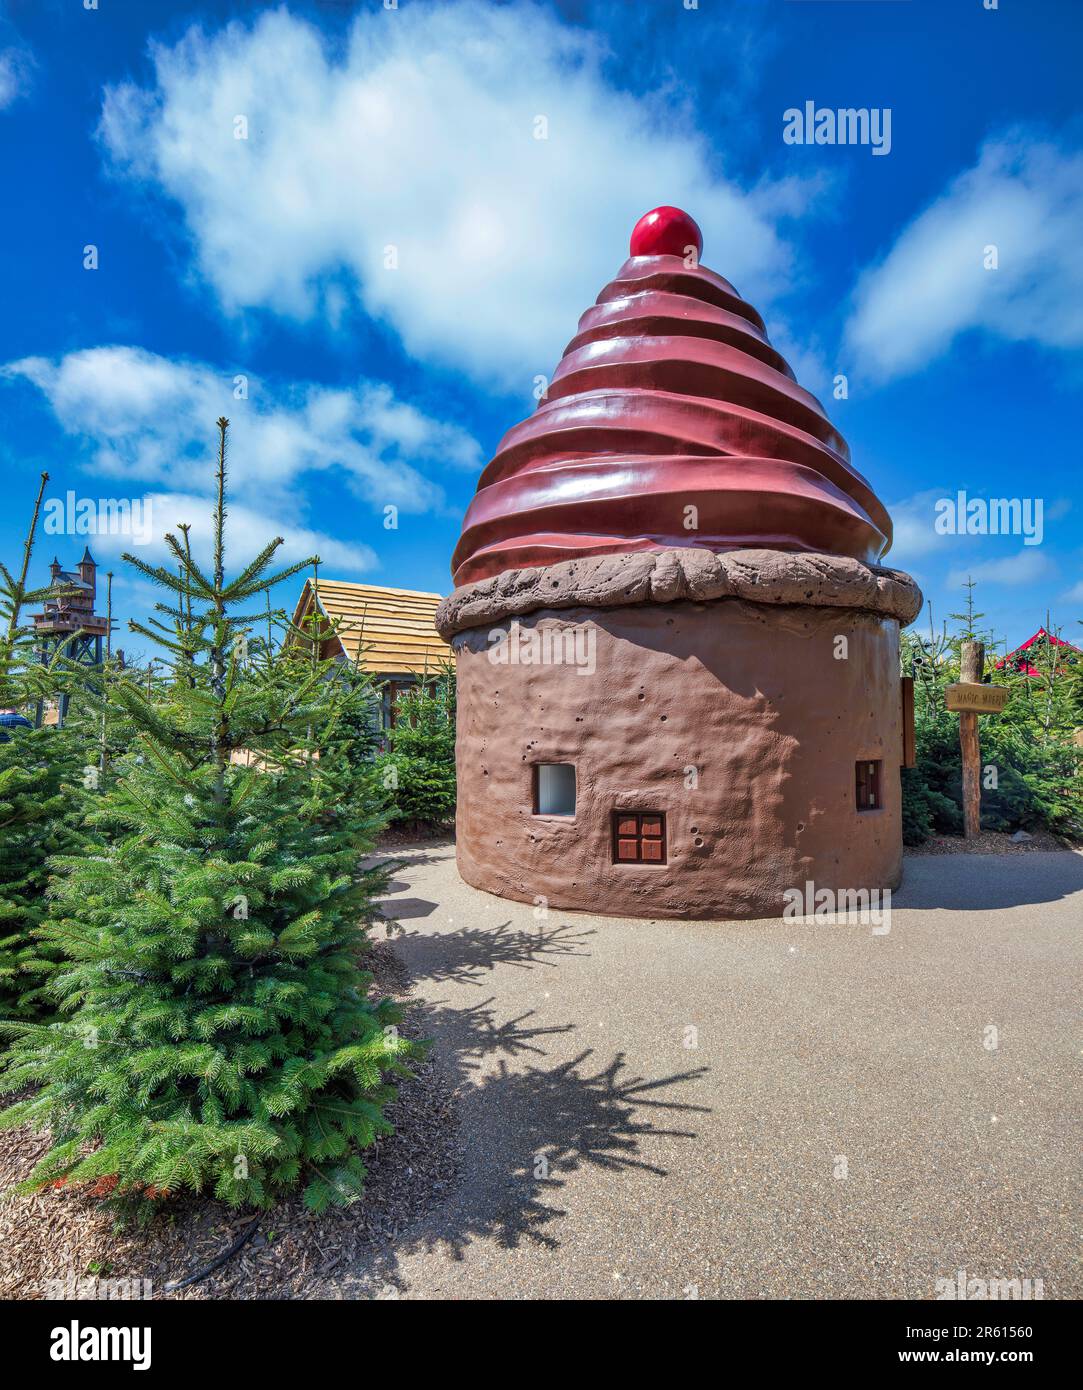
<point x="991" y="842"/>
<point x="71" y="1239"/>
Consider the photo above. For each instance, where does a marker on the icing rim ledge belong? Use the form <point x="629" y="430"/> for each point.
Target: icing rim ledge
<point x="690" y="574"/>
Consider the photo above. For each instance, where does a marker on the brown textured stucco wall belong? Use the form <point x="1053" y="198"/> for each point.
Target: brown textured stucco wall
<point x="751" y="696"/>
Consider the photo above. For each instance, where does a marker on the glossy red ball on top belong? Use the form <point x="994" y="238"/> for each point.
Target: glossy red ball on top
<point x="666" y="231"/>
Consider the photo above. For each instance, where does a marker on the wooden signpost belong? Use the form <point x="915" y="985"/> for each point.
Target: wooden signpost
<point x="971" y="698"/>
<point x="977" y="699"/>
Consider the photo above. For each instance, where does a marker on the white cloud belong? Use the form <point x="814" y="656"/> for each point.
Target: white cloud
<point x="1024" y="197"/>
<point x="1022" y="568"/>
<point x="248" y="530"/>
<point x="420" y="134"/>
<point x="148" y="420"/>
<point x="152" y="418"/>
<point x="16" y="66"/>
<point x="913" y="521"/>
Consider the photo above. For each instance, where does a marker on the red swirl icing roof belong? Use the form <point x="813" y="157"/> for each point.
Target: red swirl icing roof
<point x="670" y="421"/>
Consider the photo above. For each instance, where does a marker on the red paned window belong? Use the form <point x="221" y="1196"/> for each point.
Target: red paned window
<point x="639" y="837"/>
<point x="868" y="785"/>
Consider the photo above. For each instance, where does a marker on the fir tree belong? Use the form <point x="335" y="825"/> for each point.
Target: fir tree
<point x="218" y="1034"/>
<point x="1030" y="748"/>
<point x="968" y="619"/>
<point x="419" y="766"/>
<point x="40" y="794"/>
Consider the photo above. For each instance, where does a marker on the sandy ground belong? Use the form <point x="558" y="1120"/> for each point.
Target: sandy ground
<point x="755" y="1109"/>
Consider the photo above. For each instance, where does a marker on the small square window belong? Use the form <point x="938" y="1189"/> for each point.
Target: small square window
<point x="639" y="837"/>
<point x="554" y="789"/>
<point x="868" y="785"/>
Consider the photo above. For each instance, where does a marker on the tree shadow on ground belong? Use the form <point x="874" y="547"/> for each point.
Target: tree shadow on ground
<point x="473" y="1035"/>
<point x="988" y="882"/>
<point x="531" y="1127"/>
<point x="405" y="909"/>
<point x="465" y="953"/>
<point x="410" y="856"/>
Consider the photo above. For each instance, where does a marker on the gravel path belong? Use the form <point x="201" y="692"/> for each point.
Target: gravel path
<point x="755" y="1109"/>
<point x="670" y="1110"/>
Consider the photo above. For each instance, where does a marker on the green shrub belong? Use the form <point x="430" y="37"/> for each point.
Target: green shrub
<point x="1032" y="768"/>
<point x="418" y="768"/>
<point x="925" y="810"/>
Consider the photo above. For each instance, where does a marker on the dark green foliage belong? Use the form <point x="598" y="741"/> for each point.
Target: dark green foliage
<point x="1038" y="777"/>
<point x="217" y="1033"/>
<point x="41" y="809"/>
<point x="924" y="808"/>
<point x="41" y="796"/>
<point x="1032" y="765"/>
<point x="418" y="768"/>
<point x="357" y="735"/>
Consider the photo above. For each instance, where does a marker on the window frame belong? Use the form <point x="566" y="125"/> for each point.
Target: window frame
<point x="535" y="792"/>
<point x="616" y="836"/>
<point x="869" y="782"/>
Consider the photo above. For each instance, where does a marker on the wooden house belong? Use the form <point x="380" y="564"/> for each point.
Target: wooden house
<point x="388" y="633"/>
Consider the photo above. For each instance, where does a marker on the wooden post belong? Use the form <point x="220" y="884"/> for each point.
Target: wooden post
<point x="971" y="665"/>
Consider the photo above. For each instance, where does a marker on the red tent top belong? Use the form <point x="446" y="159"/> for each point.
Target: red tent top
<point x="1021" y="664"/>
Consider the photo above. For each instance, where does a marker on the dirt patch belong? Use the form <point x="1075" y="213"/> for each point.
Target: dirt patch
<point x="71" y="1239"/>
<point x="401" y="837"/>
<point x="991" y="842"/>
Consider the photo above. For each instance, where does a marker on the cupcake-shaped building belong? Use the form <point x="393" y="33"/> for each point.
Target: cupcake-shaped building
<point x="677" y="650"/>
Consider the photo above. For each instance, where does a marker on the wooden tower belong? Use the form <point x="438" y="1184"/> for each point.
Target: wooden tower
<point x="69" y="623"/>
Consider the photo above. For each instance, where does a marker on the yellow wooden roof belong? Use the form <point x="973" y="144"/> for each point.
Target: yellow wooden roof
<point x="381" y="630"/>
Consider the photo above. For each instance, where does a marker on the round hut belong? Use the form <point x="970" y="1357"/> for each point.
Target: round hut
<point x="679" y="691"/>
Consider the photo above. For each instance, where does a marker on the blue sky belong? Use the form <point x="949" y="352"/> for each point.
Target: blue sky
<point x="251" y="275"/>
